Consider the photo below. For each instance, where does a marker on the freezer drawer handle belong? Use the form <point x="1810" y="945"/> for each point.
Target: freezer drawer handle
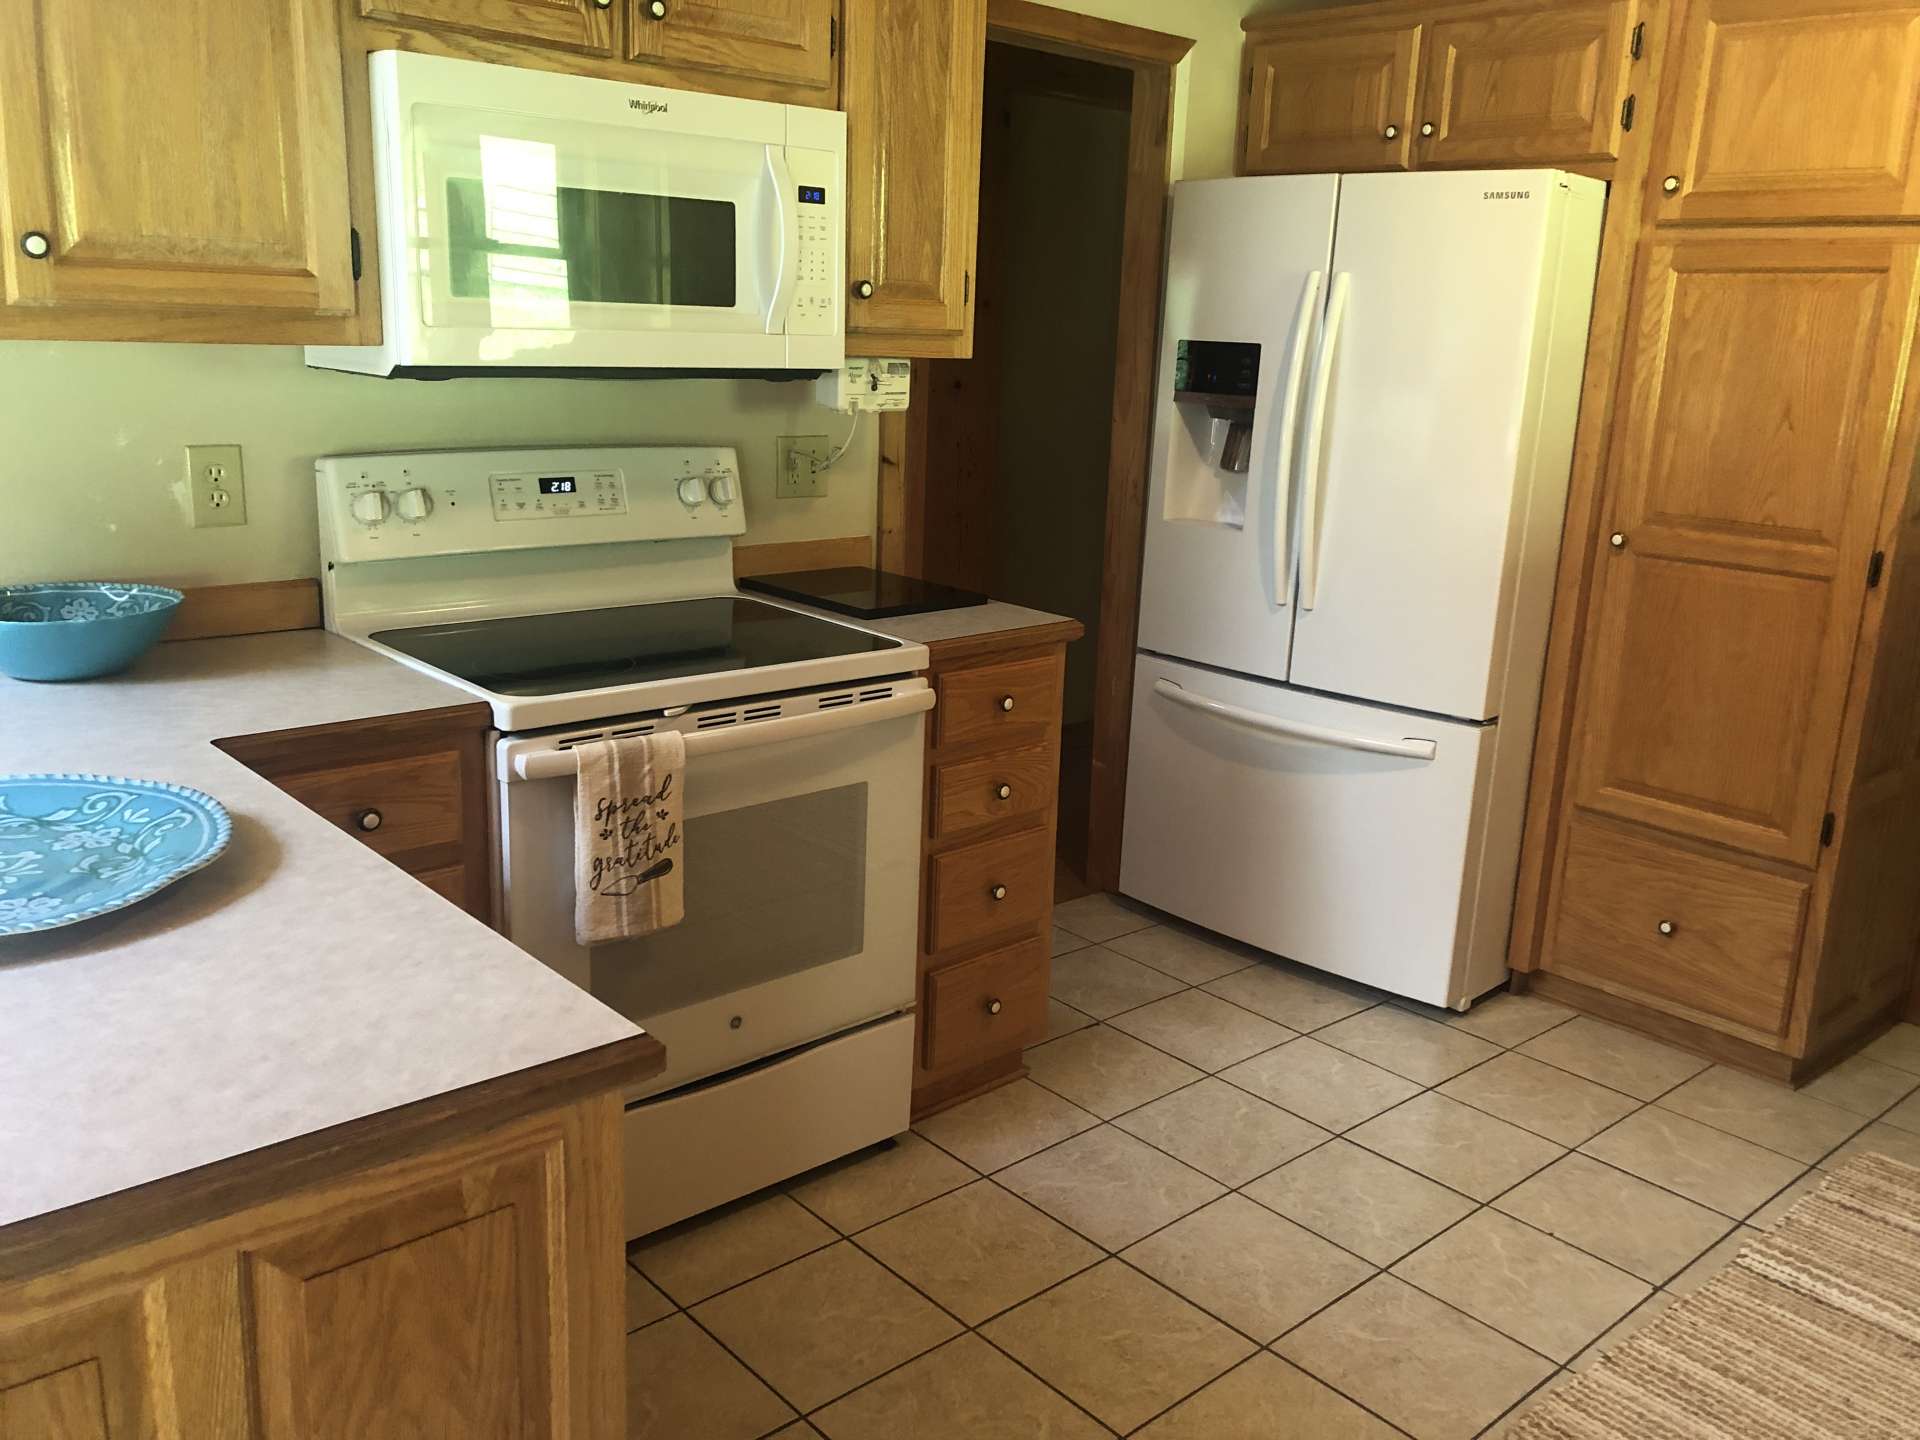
<point x="1407" y="748"/>
<point x="556" y="764"/>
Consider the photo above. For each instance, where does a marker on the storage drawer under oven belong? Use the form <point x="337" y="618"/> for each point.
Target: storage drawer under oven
<point x="992" y="888"/>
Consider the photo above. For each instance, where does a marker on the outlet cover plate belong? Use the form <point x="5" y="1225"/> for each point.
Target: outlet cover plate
<point x="216" y="485"/>
<point x="799" y="458"/>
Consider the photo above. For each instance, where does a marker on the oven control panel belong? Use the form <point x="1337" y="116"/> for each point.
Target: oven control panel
<point x="459" y="502"/>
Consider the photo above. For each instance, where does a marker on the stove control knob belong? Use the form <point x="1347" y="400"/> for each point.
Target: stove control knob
<point x="370" y="507"/>
<point x="723" y="489"/>
<point x="692" y="491"/>
<point x="414" y="504"/>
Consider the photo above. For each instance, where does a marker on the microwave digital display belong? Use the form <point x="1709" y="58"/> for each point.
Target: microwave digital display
<point x="559" y="485"/>
<point x="813" y="194"/>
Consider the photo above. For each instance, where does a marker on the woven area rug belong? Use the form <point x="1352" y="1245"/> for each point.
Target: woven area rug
<point x="1811" y="1332"/>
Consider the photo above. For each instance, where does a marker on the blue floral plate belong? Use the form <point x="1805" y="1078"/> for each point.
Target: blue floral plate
<point x="76" y="846"/>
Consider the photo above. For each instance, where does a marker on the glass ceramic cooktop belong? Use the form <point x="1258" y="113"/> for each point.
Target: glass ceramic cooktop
<point x="627" y="645"/>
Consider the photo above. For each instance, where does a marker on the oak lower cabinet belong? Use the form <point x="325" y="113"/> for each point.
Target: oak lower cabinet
<point x="472" y="1289"/>
<point x="412" y="787"/>
<point x="911" y="83"/>
<point x="1737" y="851"/>
<point x="132" y="208"/>
<point x="1790" y="110"/>
<point x="992" y="786"/>
<point x="1401" y="85"/>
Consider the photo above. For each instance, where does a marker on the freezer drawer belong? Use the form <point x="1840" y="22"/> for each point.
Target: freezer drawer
<point x="1343" y="836"/>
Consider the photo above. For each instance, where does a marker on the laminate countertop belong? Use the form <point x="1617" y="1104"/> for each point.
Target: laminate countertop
<point x="298" y="983"/>
<point x="970" y="622"/>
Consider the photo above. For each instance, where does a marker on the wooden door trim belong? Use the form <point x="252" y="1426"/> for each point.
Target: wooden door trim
<point x="1151" y="56"/>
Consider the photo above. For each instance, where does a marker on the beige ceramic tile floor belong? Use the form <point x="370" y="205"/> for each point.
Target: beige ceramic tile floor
<point x="1237" y="1200"/>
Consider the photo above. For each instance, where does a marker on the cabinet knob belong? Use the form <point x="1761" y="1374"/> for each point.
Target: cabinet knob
<point x="863" y="289"/>
<point x="1006" y="702"/>
<point x="1671" y="184"/>
<point x="369" y="820"/>
<point x="1667" y="927"/>
<point x="1003" y="792"/>
<point x="35" y="245"/>
<point x="998" y="892"/>
<point x="1427" y="129"/>
<point x="656" y="9"/>
<point x="993" y="1007"/>
<point x="1392" y="132"/>
<point x="1617" y="540"/>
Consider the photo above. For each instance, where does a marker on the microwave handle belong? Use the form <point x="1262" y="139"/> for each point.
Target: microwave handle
<point x="560" y="764"/>
<point x="786" y="206"/>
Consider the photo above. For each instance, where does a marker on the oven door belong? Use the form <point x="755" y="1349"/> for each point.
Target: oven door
<point x="802" y="882"/>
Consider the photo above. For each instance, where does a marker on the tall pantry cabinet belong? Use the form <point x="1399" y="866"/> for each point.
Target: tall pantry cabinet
<point x="1723" y="830"/>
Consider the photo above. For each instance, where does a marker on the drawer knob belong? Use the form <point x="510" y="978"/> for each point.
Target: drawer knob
<point x="1392" y="132"/>
<point x="1671" y="184"/>
<point x="1003" y="792"/>
<point x="1006" y="702"/>
<point x="369" y="820"/>
<point x="1427" y="129"/>
<point x="993" y="1007"/>
<point x="998" y="892"/>
<point x="656" y="9"/>
<point x="1667" y="927"/>
<point x="1617" y="540"/>
<point x="35" y="245"/>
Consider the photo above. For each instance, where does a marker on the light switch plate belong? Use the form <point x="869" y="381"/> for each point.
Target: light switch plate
<point x="216" y="485"/>
<point x="799" y="458"/>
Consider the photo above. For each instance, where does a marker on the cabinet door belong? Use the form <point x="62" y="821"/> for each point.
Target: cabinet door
<point x="1745" y="486"/>
<point x="1791" y="109"/>
<point x="1526" y="86"/>
<point x="133" y="185"/>
<point x="911" y="90"/>
<point x="1331" y="100"/>
<point x="783" y="40"/>
<point x="570" y="24"/>
<point x="85" y="1372"/>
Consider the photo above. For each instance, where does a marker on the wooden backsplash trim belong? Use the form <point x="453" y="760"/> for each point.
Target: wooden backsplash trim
<point x="264" y="606"/>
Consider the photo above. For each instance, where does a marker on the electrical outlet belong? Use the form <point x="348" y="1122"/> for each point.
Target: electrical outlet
<point x="799" y="458"/>
<point x="216" y="485"/>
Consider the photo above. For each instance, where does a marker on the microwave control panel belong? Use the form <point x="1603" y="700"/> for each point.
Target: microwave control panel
<point x="455" y="502"/>
<point x="820" y="199"/>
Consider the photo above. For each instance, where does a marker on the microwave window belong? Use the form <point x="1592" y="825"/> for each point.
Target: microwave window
<point x="595" y="246"/>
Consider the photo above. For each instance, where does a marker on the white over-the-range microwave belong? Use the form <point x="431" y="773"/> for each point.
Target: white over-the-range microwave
<point x="540" y="223"/>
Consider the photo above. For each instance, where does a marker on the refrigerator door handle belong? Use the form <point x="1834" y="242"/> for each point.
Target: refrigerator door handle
<point x="1311" y="524"/>
<point x="1289" y="428"/>
<point x="1407" y="748"/>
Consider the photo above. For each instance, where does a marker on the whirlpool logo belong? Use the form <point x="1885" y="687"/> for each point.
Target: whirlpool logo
<point x="648" y="107"/>
<point x="1506" y="195"/>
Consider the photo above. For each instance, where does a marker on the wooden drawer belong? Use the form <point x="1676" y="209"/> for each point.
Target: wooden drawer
<point x="989" y="1005"/>
<point x="992" y="888"/>
<point x="1690" y="934"/>
<point x="412" y="801"/>
<point x="971" y="793"/>
<point x="1017" y="703"/>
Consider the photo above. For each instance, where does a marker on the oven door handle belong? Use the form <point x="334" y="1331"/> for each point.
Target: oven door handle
<point x="561" y="764"/>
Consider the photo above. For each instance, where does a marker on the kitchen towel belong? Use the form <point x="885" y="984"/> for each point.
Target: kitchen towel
<point x="628" y="875"/>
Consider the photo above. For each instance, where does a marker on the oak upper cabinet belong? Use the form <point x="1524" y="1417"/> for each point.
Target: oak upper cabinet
<point x="911" y="86"/>
<point x="143" y="200"/>
<point x="585" y="25"/>
<point x="1759" y="411"/>
<point x="1525" y="85"/>
<point x="1331" y="99"/>
<point x="789" y="41"/>
<point x="1791" y="109"/>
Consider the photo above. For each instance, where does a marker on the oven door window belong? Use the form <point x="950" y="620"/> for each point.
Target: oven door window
<point x="772" y="889"/>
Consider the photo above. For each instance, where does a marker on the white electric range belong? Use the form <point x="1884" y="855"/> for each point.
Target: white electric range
<point x="589" y="592"/>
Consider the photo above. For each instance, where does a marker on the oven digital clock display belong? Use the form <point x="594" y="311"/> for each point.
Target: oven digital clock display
<point x="559" y="485"/>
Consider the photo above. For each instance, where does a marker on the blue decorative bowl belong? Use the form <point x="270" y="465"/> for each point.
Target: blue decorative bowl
<point x="79" y="629"/>
<point x="76" y="846"/>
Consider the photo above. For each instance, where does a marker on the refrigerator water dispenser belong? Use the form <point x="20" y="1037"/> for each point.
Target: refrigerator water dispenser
<point x="1214" y="385"/>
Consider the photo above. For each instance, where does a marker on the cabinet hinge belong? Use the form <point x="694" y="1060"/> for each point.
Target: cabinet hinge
<point x="1826" y="830"/>
<point x="353" y="249"/>
<point x="833" y="36"/>
<point x="1626" y="113"/>
<point x="1876" y="567"/>
<point x="1639" y="40"/>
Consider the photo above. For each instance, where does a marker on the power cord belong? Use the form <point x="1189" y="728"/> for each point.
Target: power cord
<point x="834" y="458"/>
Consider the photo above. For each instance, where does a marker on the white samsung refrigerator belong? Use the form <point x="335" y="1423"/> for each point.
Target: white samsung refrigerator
<point x="1368" y="389"/>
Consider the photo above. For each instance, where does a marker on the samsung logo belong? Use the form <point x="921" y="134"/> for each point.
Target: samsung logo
<point x="1506" y="195"/>
<point x="648" y="107"/>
